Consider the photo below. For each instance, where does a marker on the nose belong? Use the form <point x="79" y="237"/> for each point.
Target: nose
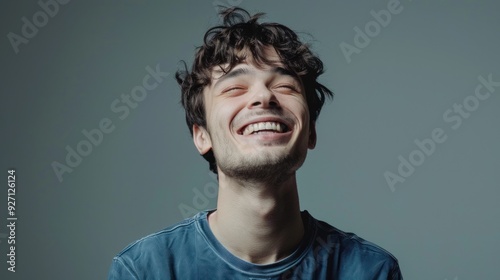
<point x="263" y="97"/>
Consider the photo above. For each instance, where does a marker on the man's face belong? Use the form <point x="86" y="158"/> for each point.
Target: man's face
<point x="257" y="122"/>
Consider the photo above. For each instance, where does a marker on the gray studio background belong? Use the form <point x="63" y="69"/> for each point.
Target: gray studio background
<point x="441" y="222"/>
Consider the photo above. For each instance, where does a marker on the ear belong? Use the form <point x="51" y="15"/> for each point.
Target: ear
<point x="312" y="135"/>
<point x="201" y="139"/>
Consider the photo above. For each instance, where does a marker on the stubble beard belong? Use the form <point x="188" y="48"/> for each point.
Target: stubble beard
<point x="270" y="167"/>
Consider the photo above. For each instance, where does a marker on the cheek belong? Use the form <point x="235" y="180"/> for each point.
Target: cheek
<point x="305" y="110"/>
<point x="300" y="109"/>
<point x="221" y="116"/>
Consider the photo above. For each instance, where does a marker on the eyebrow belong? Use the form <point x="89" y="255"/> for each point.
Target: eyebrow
<point x="245" y="71"/>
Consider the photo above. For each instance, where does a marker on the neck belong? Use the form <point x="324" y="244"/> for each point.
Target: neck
<point x="258" y="222"/>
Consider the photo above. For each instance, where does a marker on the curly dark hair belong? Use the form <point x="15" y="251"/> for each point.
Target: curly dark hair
<point x="227" y="44"/>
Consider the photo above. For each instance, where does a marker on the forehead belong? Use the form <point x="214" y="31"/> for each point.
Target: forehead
<point x="268" y="61"/>
<point x="246" y="69"/>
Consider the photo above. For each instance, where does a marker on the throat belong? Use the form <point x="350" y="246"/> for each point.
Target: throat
<point x="258" y="246"/>
<point x="256" y="226"/>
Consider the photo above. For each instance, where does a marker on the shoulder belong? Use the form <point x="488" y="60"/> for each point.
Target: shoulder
<point x="155" y="255"/>
<point x="351" y="249"/>
<point x="160" y="244"/>
<point x="349" y="242"/>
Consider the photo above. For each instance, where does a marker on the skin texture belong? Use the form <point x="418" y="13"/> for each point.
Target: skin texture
<point x="258" y="214"/>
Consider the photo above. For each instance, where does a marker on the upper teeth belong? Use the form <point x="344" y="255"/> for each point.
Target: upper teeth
<point x="254" y="127"/>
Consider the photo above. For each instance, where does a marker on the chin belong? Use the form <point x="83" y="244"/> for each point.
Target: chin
<point x="264" y="166"/>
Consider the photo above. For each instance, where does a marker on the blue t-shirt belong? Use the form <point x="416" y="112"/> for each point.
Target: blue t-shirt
<point x="189" y="250"/>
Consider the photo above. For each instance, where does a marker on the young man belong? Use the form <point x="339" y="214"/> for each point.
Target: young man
<point x="251" y="101"/>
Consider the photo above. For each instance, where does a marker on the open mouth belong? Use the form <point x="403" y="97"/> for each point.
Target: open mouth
<point x="264" y="127"/>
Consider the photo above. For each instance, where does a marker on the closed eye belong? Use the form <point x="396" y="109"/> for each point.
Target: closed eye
<point x="233" y="89"/>
<point x="287" y="87"/>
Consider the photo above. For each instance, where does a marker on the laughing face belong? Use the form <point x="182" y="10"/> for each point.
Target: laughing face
<point x="257" y="122"/>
